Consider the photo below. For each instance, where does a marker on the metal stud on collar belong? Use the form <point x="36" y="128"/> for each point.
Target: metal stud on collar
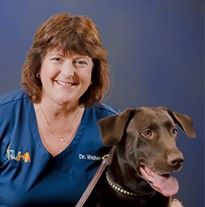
<point x="120" y="189"/>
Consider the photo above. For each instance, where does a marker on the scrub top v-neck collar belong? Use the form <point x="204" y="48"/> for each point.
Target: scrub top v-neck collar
<point x="66" y="151"/>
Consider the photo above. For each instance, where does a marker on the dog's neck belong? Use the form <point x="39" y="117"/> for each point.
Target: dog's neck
<point x="120" y="189"/>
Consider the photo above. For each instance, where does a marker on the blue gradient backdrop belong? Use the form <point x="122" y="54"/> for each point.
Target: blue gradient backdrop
<point x="156" y="56"/>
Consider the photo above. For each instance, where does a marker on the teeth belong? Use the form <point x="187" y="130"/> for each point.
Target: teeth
<point x="64" y="83"/>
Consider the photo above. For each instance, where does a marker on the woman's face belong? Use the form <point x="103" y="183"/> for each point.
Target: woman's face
<point x="65" y="78"/>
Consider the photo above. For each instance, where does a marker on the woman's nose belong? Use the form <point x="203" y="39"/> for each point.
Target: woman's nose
<point x="68" y="68"/>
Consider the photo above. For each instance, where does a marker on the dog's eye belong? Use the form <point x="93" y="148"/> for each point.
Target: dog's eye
<point x="147" y="133"/>
<point x="174" y="131"/>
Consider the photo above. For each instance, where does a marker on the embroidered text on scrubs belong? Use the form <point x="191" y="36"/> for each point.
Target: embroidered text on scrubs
<point x="89" y="157"/>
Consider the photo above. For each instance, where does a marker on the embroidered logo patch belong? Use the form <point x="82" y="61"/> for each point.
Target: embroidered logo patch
<point x="17" y="155"/>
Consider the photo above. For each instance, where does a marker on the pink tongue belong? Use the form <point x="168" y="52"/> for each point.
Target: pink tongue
<point x="166" y="185"/>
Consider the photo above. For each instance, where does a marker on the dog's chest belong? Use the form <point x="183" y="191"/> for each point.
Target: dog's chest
<point x="106" y="196"/>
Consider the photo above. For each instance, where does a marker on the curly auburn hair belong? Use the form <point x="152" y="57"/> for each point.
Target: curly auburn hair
<point x="67" y="33"/>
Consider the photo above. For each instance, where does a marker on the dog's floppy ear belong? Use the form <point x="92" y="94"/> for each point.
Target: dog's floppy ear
<point x="184" y="121"/>
<point x="112" y="127"/>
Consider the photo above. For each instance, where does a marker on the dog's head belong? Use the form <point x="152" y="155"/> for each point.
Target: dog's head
<point x="147" y="138"/>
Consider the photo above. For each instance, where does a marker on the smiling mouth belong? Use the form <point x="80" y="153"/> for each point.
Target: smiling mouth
<point x="65" y="84"/>
<point x="165" y="184"/>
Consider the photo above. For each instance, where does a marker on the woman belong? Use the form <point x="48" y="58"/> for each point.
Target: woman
<point x="50" y="144"/>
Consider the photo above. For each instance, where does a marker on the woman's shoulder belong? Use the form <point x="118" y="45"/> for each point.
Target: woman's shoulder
<point x="105" y="107"/>
<point x="102" y="110"/>
<point x="12" y="96"/>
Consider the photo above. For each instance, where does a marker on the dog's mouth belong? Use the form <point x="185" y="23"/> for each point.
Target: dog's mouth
<point x="164" y="184"/>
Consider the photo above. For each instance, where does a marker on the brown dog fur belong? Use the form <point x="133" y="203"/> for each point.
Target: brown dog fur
<point x="140" y="137"/>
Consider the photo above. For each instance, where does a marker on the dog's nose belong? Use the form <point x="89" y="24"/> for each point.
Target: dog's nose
<point x="175" y="159"/>
<point x="177" y="162"/>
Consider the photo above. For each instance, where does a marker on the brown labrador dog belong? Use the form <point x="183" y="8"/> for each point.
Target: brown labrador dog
<point x="143" y="155"/>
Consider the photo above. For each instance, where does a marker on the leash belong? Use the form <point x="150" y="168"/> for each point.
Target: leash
<point x="93" y="182"/>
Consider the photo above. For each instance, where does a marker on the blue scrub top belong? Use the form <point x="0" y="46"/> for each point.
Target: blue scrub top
<point x="29" y="174"/>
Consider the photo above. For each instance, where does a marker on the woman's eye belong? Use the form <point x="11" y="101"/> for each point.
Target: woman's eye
<point x="80" y="62"/>
<point x="56" y="59"/>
